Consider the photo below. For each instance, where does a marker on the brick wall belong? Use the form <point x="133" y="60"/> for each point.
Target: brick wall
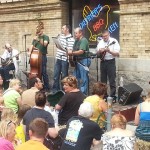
<point x="134" y="60"/>
<point x="19" y="18"/>
<point x="135" y="28"/>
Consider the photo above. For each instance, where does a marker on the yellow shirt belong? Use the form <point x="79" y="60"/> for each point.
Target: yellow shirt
<point x="32" y="145"/>
<point x="20" y="136"/>
<point x="95" y="100"/>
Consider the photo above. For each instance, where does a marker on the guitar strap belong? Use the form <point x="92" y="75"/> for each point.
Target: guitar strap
<point x="107" y="43"/>
<point x="85" y="67"/>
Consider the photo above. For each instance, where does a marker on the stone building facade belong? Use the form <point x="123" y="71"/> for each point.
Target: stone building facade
<point x="18" y="19"/>
<point x="134" y="59"/>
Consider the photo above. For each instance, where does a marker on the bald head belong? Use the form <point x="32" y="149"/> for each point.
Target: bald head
<point x="78" y="33"/>
<point x="78" y="29"/>
<point x="7" y="45"/>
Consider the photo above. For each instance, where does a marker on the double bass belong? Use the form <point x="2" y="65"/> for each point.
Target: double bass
<point x="35" y="63"/>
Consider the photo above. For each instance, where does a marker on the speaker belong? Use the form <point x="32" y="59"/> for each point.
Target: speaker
<point x="129" y="94"/>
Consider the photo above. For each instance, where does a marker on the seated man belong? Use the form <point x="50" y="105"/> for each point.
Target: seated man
<point x="9" y="61"/>
<point x="37" y="131"/>
<point x="28" y="96"/>
<point x="81" y="132"/>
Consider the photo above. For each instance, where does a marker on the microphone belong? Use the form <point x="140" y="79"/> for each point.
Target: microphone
<point x="27" y="34"/>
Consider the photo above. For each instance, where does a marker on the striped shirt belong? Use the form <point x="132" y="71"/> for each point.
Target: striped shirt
<point x="67" y="42"/>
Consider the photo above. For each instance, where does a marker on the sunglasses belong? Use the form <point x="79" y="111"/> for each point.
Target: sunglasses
<point x="9" y="122"/>
<point x="70" y="79"/>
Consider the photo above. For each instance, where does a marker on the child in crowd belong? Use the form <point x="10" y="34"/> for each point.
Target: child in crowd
<point x="20" y="135"/>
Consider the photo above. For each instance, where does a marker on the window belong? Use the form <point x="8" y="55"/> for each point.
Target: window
<point x="93" y="16"/>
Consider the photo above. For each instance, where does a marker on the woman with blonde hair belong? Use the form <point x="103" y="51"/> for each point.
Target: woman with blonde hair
<point x="142" y="120"/>
<point x="8" y="114"/>
<point x="7" y="135"/>
<point x="118" y="137"/>
<point x="12" y="97"/>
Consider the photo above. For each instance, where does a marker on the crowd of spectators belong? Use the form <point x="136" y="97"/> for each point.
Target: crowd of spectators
<point x="26" y="124"/>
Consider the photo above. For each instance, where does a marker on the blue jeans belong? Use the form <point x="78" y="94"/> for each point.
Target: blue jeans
<point x="60" y="71"/>
<point x="4" y="71"/>
<point x="44" y="72"/>
<point x="82" y="74"/>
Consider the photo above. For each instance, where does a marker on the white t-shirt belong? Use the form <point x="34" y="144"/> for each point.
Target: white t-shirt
<point x="12" y="54"/>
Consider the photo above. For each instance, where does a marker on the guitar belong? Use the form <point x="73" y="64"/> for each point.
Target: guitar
<point x="76" y="59"/>
<point x="8" y="61"/>
<point x="102" y="54"/>
<point x="72" y="60"/>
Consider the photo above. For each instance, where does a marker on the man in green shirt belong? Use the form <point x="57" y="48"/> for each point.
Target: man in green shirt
<point x="41" y="42"/>
<point x="80" y="51"/>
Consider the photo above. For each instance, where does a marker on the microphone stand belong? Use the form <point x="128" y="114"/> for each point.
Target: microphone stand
<point x="97" y="68"/>
<point x="25" y="40"/>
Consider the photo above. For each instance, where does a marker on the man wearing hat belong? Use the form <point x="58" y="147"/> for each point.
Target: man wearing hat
<point x="10" y="61"/>
<point x="41" y="41"/>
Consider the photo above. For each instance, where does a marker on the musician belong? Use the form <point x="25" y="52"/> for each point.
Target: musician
<point x="41" y="41"/>
<point x="62" y="64"/>
<point x="108" y="66"/>
<point x="10" y="61"/>
<point x="80" y="50"/>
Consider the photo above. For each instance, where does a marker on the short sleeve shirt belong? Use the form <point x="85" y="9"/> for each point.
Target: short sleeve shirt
<point x="41" y="47"/>
<point x="80" y="134"/>
<point x="37" y="113"/>
<point x="81" y="44"/>
<point x="10" y="99"/>
<point x="70" y="104"/>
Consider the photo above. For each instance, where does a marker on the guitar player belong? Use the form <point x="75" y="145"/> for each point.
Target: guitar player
<point x="108" y="65"/>
<point x="80" y="51"/>
<point x="9" y="61"/>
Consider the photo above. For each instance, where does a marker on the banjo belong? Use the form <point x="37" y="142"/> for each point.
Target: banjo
<point x="9" y="60"/>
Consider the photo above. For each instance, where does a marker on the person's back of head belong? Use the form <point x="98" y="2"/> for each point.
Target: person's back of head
<point x="118" y="121"/>
<point x="22" y="110"/>
<point x="8" y="114"/>
<point x="40" y="99"/>
<point x="38" y="128"/>
<point x="99" y="88"/>
<point x="85" y="110"/>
